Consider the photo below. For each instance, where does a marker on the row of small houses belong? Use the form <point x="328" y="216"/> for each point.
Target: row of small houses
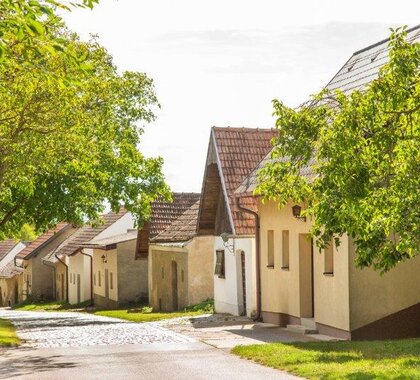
<point x="252" y="257"/>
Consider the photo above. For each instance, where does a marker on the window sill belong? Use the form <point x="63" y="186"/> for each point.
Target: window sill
<point x="285" y="268"/>
<point x="329" y="274"/>
<point x="220" y="276"/>
<point x="270" y="266"/>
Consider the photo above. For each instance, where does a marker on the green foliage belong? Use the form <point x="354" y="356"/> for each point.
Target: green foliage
<point x="27" y="233"/>
<point x="364" y="151"/>
<point x="69" y="135"/>
<point x="340" y="360"/>
<point x="205" y="307"/>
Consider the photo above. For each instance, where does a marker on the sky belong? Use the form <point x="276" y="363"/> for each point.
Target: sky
<point x="221" y="63"/>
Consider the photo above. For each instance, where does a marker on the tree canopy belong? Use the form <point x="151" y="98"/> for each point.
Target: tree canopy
<point x="69" y="132"/>
<point x="364" y="152"/>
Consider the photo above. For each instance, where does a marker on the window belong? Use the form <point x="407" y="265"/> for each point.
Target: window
<point x="270" y="248"/>
<point x="182" y="275"/>
<point x="99" y="278"/>
<point x="220" y="263"/>
<point x="329" y="259"/>
<point x="285" y="249"/>
<point x="163" y="273"/>
<point x="111" y="280"/>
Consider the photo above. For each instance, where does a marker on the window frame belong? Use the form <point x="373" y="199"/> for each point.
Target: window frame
<point x="220" y="265"/>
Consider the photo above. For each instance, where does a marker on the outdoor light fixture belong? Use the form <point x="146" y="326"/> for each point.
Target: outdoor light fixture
<point x="225" y="239"/>
<point x="297" y="213"/>
<point x="104" y="260"/>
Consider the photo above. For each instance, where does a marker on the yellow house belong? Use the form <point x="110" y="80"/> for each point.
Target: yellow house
<point x="39" y="276"/>
<point x="118" y="277"/>
<point x="11" y="279"/>
<point x="180" y="265"/>
<point x="309" y="290"/>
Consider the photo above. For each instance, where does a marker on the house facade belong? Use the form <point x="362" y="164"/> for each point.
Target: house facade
<point x="232" y="154"/>
<point x="324" y="291"/>
<point x="39" y="278"/>
<point x="11" y="281"/>
<point x="181" y="265"/>
<point x="78" y="261"/>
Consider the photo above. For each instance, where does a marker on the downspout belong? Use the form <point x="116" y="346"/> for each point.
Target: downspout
<point x="52" y="266"/>
<point x="67" y="276"/>
<point x="257" y="254"/>
<point x="91" y="275"/>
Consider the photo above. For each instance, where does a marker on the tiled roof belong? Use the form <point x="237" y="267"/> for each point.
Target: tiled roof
<point x="10" y="270"/>
<point x="363" y="66"/>
<point x="103" y="243"/>
<point x="6" y="246"/>
<point x="39" y="242"/>
<point x="164" y="213"/>
<point x="239" y="151"/>
<point x="84" y="234"/>
<point x="182" y="229"/>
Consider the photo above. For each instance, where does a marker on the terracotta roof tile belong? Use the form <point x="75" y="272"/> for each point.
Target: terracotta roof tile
<point x="164" y="213"/>
<point x="43" y="239"/>
<point x="182" y="229"/>
<point x="240" y="150"/>
<point x="72" y="244"/>
<point x="6" y="246"/>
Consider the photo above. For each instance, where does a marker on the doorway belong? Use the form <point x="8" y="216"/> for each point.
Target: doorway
<point x="306" y="276"/>
<point x="174" y="277"/>
<point x="243" y="271"/>
<point x="62" y="297"/>
<point x="78" y="288"/>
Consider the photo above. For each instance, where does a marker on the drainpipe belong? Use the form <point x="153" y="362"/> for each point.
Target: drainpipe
<point x="67" y="276"/>
<point x="91" y="275"/>
<point x="257" y="254"/>
<point x="52" y="266"/>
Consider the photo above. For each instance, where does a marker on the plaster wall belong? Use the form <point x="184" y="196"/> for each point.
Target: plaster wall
<point x="374" y="296"/>
<point x="228" y="295"/>
<point x="79" y="264"/>
<point x="99" y="271"/>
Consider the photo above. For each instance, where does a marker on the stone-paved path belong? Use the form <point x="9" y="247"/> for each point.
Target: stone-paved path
<point x="72" y="329"/>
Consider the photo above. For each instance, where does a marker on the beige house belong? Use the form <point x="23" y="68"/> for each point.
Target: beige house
<point x="39" y="276"/>
<point x="74" y="263"/>
<point x="180" y="265"/>
<point x="118" y="277"/>
<point x="11" y="280"/>
<point x="324" y="291"/>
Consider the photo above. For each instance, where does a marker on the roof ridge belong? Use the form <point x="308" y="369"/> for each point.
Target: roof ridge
<point x="242" y="129"/>
<point x="382" y="41"/>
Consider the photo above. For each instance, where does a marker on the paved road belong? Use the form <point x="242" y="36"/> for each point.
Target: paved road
<point x="76" y="345"/>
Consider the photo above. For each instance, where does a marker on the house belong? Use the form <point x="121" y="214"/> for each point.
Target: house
<point x="75" y="261"/>
<point x="325" y="291"/>
<point x="232" y="154"/>
<point x="120" y="262"/>
<point x="39" y="277"/>
<point x="11" y="281"/>
<point x="181" y="264"/>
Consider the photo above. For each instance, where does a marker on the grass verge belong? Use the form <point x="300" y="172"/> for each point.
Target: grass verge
<point x="340" y="360"/>
<point x="8" y="335"/>
<point x="48" y="306"/>
<point x="146" y="314"/>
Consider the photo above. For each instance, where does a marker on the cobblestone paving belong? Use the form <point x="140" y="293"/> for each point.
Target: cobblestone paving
<point x="71" y="329"/>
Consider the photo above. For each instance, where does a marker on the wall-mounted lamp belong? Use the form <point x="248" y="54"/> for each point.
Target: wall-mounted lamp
<point x="225" y="239"/>
<point x="104" y="260"/>
<point x="297" y="213"/>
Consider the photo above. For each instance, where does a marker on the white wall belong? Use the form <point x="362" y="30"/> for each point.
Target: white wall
<point x="11" y="255"/>
<point x="119" y="227"/>
<point x="228" y="290"/>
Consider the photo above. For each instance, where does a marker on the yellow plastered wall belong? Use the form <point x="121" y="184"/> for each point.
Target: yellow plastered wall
<point x="99" y="268"/>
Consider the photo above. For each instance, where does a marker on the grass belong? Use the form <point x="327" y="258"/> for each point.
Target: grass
<point x="134" y="313"/>
<point x="397" y="359"/>
<point x="146" y="314"/>
<point x="8" y="335"/>
<point x="48" y="306"/>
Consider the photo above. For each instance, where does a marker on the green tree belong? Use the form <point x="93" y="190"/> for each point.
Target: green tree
<point x="69" y="135"/>
<point x="364" y="152"/>
<point x="27" y="233"/>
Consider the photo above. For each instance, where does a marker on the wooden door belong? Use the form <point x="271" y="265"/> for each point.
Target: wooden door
<point x="78" y="288"/>
<point x="106" y="283"/>
<point x="62" y="296"/>
<point x="174" y="285"/>
<point x="243" y="282"/>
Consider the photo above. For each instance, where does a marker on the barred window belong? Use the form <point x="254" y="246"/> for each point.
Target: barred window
<point x="220" y="263"/>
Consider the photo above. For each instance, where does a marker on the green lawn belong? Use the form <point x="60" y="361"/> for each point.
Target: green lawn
<point x="8" y="335"/>
<point x="134" y="313"/>
<point x="146" y="314"/>
<point x="398" y="359"/>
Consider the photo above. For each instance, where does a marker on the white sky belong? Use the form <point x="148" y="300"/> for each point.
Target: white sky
<point x="222" y="62"/>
